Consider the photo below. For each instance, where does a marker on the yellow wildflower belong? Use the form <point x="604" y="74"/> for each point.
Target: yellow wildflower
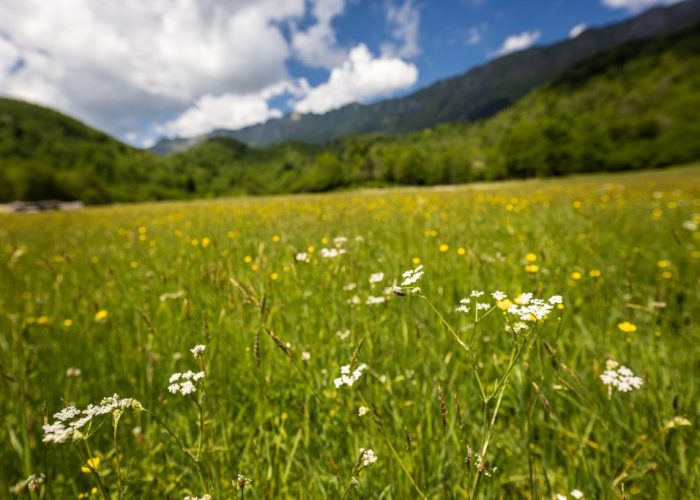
<point x="627" y="327"/>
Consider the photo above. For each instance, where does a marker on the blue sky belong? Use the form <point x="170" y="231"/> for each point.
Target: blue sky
<point x="144" y="70"/>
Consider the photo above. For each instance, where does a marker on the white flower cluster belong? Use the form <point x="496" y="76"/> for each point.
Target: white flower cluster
<point x="620" y="377"/>
<point x="302" y="257"/>
<point x="241" y="482"/>
<point x="204" y="497"/>
<point x="528" y="308"/>
<point x="70" y="420"/>
<point x="347" y="377"/>
<point x="198" y="351"/>
<point x="33" y="483"/>
<point x="376" y="278"/>
<point x="332" y="253"/>
<point x="372" y="301"/>
<point x="412" y="276"/>
<point x="367" y="457"/>
<point x="184" y="383"/>
<point x="463" y="306"/>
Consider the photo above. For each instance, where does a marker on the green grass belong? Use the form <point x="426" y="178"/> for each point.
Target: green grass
<point x="280" y="421"/>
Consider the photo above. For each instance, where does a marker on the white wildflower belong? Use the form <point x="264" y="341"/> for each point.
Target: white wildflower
<point x="498" y="295"/>
<point x="340" y="241"/>
<point x="476" y="293"/>
<point x="184" y="383"/>
<point x="362" y="411"/>
<point x="576" y="494"/>
<point x="376" y="278"/>
<point x="241" y="482"/>
<point x="70" y="420"/>
<point x="350" y="287"/>
<point x="198" y="351"/>
<point x="331" y="253"/>
<point x="482" y="306"/>
<point x="73" y="372"/>
<point x="347" y="377"/>
<point x="302" y="257"/>
<point x="371" y="300"/>
<point x="621" y="379"/>
<point x="342" y="334"/>
<point x="354" y="300"/>
<point x="305" y="356"/>
<point x="412" y="276"/>
<point x="367" y="457"/>
<point x="555" y="299"/>
<point x="690" y="225"/>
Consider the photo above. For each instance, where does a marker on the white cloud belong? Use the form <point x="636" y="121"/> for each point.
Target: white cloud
<point x="635" y="5"/>
<point x="515" y="43"/>
<point x="404" y="21"/>
<point x="229" y="111"/>
<point x="118" y="64"/>
<point x="360" y="77"/>
<point x="577" y="30"/>
<point x="317" y="46"/>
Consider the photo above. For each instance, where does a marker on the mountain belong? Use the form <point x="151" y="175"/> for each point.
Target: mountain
<point x="477" y="94"/>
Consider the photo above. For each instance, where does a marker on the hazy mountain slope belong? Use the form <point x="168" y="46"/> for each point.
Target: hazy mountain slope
<point x="479" y="93"/>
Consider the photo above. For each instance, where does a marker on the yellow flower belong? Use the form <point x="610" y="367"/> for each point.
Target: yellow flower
<point x="276" y="238"/>
<point x="444" y="248"/>
<point x="667" y="275"/>
<point x="416" y="261"/>
<point x="577" y="204"/>
<point x="205" y="242"/>
<point x="274" y="276"/>
<point x="504" y="304"/>
<point x="594" y="273"/>
<point x="134" y="264"/>
<point x="461" y="251"/>
<point x="101" y="315"/>
<point x="247" y="259"/>
<point x="531" y="257"/>
<point x="324" y="241"/>
<point x="67" y="323"/>
<point x="91" y="464"/>
<point x="310" y="249"/>
<point x="627" y="327"/>
<point x="576" y="276"/>
<point x="532" y="268"/>
<point x="662" y="264"/>
<point x="195" y="242"/>
<point x="42" y="320"/>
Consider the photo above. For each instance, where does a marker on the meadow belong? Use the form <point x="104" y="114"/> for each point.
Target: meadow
<point x="326" y="368"/>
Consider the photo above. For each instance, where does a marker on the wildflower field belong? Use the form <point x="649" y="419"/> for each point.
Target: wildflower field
<point x="294" y="347"/>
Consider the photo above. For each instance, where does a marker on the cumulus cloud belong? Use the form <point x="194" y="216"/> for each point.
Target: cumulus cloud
<point x="515" y="43"/>
<point x="229" y="111"/>
<point x="404" y="21"/>
<point x="360" y="77"/>
<point x="317" y="46"/>
<point x="116" y="64"/>
<point x="635" y="5"/>
<point x="577" y="30"/>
